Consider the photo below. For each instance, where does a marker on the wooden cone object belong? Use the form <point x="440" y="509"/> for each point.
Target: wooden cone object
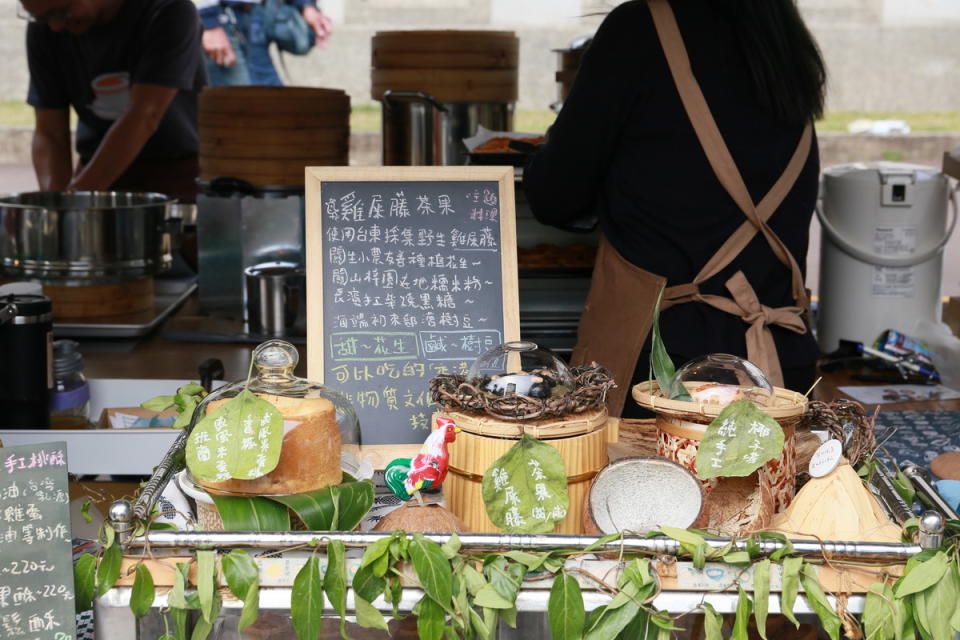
<point x="837" y="507"/>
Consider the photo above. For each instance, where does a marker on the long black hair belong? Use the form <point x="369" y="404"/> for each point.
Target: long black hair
<point x="788" y="72"/>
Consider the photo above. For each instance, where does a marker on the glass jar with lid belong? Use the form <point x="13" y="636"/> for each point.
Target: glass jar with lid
<point x="70" y="397"/>
<point x="319" y="426"/>
<point x="521" y="368"/>
<point x="721" y="379"/>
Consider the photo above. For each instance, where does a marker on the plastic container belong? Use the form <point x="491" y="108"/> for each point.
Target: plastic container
<point x="319" y="425"/>
<point x="70" y="397"/>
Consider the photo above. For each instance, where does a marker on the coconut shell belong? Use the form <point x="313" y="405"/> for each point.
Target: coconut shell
<point x="431" y="518"/>
<point x="737" y="506"/>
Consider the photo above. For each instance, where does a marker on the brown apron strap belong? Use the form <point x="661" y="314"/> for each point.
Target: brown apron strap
<point x="616" y="319"/>
<point x="744" y="303"/>
<point x="719" y="156"/>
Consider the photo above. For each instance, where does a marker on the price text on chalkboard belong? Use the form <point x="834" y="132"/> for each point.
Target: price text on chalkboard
<point x="36" y="563"/>
<point x="411" y="272"/>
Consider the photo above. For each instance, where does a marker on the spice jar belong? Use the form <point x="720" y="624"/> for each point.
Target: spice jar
<point x="70" y="398"/>
<point x="319" y="426"/>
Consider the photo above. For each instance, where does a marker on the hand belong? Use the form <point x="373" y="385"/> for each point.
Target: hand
<point x="216" y="45"/>
<point x="321" y="24"/>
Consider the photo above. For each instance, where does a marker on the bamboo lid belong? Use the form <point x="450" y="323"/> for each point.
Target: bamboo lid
<point x="336" y="144"/>
<point x="443" y="41"/>
<point x="575" y="424"/>
<point x="257" y="136"/>
<point x="449" y="85"/>
<point x="785" y="404"/>
<point x="300" y="120"/>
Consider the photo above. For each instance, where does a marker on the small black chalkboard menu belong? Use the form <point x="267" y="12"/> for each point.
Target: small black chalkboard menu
<point x="411" y="272"/>
<point x="36" y="563"/>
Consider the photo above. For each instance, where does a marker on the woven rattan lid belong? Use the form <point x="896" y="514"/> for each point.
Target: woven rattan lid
<point x="785" y="404"/>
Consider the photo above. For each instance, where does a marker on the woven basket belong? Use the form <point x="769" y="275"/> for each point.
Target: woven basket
<point x="681" y="424"/>
<point x="591" y="384"/>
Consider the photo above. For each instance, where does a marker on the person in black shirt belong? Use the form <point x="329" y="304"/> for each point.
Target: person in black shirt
<point x="132" y="70"/>
<point x="624" y="150"/>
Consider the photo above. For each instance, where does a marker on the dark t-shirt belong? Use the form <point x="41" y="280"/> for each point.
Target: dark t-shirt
<point x="624" y="150"/>
<point x="149" y="41"/>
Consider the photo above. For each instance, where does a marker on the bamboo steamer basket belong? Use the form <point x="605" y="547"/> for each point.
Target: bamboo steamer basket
<point x="580" y="439"/>
<point x="681" y="424"/>
<point x="268" y="135"/>
<point x="451" y="66"/>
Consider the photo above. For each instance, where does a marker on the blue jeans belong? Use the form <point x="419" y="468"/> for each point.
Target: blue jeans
<point x="249" y="41"/>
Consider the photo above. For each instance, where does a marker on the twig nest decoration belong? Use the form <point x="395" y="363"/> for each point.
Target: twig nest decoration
<point x="629" y="495"/>
<point x="429" y="518"/>
<point x="520" y="381"/>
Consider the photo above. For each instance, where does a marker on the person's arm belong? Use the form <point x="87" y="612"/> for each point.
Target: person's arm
<point x="216" y="45"/>
<point x="126" y="137"/>
<point x="320" y="22"/>
<point x="564" y="177"/>
<point x="51" y="149"/>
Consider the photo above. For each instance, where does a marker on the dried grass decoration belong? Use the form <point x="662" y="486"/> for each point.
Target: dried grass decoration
<point x="591" y="383"/>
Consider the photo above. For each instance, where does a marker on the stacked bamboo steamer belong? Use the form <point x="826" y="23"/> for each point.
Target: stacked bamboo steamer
<point x="451" y="66"/>
<point x="267" y="135"/>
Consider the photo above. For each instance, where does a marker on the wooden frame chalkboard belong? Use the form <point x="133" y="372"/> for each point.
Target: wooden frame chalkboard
<point x="411" y="272"/>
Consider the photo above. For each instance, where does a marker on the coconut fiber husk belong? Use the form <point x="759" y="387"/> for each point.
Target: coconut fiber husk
<point x="431" y="518"/>
<point x="738" y="506"/>
<point x="453" y="393"/>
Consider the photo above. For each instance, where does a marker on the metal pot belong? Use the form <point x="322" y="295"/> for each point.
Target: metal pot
<point x="83" y="237"/>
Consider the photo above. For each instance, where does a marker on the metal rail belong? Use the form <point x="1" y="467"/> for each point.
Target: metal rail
<point x="869" y="551"/>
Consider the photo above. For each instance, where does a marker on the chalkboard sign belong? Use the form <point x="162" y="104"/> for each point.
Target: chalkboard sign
<point x="411" y="272"/>
<point x="36" y="563"/>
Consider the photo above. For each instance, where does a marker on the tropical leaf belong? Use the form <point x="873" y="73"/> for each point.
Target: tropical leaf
<point x="335" y="580"/>
<point x="661" y="365"/>
<point x="790" y="586"/>
<point x="206" y="582"/>
<point x="923" y="575"/>
<point x="334" y="508"/>
<point x="712" y="623"/>
<point x="143" y="592"/>
<point x="368" y="616"/>
<point x="430" y="619"/>
<point x="239" y="439"/>
<point x="742" y="618"/>
<point x="84" y="581"/>
<point x="761" y="595"/>
<point x="819" y="603"/>
<point x="740" y="440"/>
<point x="251" y="514"/>
<point x="306" y="601"/>
<point x="243" y="577"/>
<point x="108" y="571"/>
<point x="433" y="570"/>
<point x="565" y="612"/>
<point x="525" y="490"/>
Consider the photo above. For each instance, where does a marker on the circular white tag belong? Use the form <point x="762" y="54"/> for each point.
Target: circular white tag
<point x="825" y="459"/>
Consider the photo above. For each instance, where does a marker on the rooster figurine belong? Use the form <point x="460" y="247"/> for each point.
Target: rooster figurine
<point x="406" y="477"/>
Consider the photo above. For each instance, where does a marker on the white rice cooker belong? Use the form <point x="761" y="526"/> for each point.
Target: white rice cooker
<point x="884" y="229"/>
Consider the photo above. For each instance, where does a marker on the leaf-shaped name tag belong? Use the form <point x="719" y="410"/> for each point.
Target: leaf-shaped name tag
<point x="738" y="442"/>
<point x="240" y="439"/>
<point x="525" y="490"/>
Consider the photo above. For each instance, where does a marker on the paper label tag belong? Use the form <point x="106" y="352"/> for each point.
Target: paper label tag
<point x="825" y="459"/>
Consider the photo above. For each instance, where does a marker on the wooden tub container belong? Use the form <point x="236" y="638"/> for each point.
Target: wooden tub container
<point x="580" y="439"/>
<point x="267" y="135"/>
<point x="451" y="66"/>
<point x="681" y="424"/>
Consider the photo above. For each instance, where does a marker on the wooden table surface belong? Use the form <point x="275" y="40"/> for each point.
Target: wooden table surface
<point x="157" y="356"/>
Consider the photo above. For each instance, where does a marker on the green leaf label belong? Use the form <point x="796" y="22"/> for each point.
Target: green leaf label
<point x="525" y="490"/>
<point x="738" y="442"/>
<point x="240" y="439"/>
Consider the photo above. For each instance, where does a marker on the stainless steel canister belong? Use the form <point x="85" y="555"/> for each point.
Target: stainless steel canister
<point x="83" y="237"/>
<point x="26" y="355"/>
<point x="276" y="296"/>
<point x="420" y="130"/>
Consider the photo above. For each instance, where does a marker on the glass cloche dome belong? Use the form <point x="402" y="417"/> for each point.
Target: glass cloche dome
<point x="319" y="424"/>
<point x="720" y="379"/>
<point x="521" y="368"/>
